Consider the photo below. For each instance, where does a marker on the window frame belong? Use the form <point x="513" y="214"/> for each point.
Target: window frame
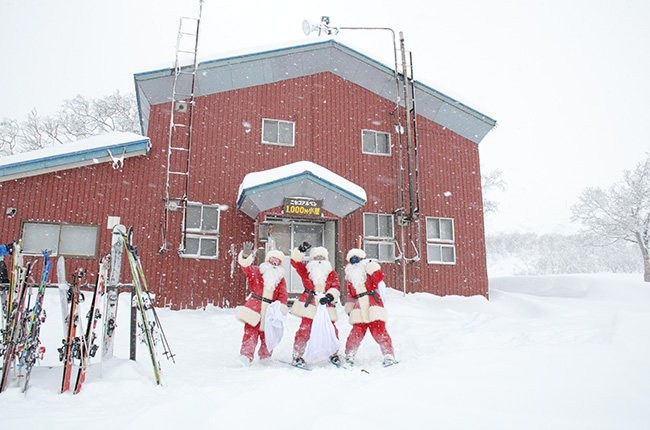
<point x="278" y="122"/>
<point x="375" y="133"/>
<point x="440" y="243"/>
<point x="379" y="240"/>
<point x="60" y="226"/>
<point x="201" y="233"/>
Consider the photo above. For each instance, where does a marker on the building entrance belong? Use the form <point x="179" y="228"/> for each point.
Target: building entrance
<point x="286" y="234"/>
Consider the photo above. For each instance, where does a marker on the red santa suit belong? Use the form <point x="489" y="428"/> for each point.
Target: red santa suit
<point x="365" y="306"/>
<point x="318" y="279"/>
<point x="267" y="285"/>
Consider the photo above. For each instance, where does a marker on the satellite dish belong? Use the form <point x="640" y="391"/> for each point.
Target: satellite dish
<point x="308" y="27"/>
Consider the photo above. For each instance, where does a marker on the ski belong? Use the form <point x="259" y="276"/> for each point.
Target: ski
<point x="167" y="352"/>
<point x="301" y="367"/>
<point x="144" y="307"/>
<point x="88" y="348"/>
<point x="70" y="348"/>
<point x="9" y="296"/>
<point x="112" y="293"/>
<point x="14" y="326"/>
<point x="31" y="350"/>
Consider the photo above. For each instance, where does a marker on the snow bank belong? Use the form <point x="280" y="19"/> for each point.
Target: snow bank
<point x="560" y="352"/>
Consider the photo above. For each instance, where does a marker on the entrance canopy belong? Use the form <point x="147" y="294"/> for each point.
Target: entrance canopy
<point x="261" y="191"/>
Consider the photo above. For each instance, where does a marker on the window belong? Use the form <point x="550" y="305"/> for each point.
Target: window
<point x="375" y="142"/>
<point x="379" y="237"/>
<point x="74" y="240"/>
<point x="275" y="132"/>
<point x="440" y="241"/>
<point x="202" y="228"/>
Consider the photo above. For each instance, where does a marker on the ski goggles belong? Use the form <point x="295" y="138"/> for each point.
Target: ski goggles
<point x="319" y="257"/>
<point x="354" y="260"/>
<point x="275" y="261"/>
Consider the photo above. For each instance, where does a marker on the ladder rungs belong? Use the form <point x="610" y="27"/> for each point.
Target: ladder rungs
<point x="179" y="148"/>
<point x="180" y="125"/>
<point x="179" y="173"/>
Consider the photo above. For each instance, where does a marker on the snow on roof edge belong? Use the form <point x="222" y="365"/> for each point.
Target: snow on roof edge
<point x="92" y="143"/>
<point x="254" y="179"/>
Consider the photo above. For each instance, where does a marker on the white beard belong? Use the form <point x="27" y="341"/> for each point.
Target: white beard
<point x="356" y="274"/>
<point x="319" y="270"/>
<point x="272" y="275"/>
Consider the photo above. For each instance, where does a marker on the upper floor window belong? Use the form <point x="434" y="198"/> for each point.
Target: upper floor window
<point x="441" y="248"/>
<point x="202" y="228"/>
<point x="71" y="240"/>
<point x="375" y="142"/>
<point x="379" y="238"/>
<point x="276" y="132"/>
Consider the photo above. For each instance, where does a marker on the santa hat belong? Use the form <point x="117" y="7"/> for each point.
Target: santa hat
<point x="356" y="252"/>
<point x="318" y="251"/>
<point x="275" y="254"/>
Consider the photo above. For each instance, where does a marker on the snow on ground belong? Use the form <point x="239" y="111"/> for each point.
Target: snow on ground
<point x="552" y="352"/>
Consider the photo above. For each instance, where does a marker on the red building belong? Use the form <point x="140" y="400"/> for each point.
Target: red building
<point x="307" y="143"/>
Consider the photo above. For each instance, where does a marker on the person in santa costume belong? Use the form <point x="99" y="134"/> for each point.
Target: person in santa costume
<point x="268" y="295"/>
<point x="365" y="306"/>
<point x="322" y="287"/>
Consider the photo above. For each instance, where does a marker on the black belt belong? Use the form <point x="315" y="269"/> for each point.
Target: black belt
<point x="258" y="297"/>
<point x="311" y="294"/>
<point x="372" y="293"/>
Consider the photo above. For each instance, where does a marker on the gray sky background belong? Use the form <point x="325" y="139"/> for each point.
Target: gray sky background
<point x="567" y="80"/>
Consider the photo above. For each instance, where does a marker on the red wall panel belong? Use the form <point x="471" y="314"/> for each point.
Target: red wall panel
<point x="329" y="114"/>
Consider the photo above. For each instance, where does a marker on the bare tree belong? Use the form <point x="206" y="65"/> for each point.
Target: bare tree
<point x="621" y="213"/>
<point x="78" y="118"/>
<point x="9" y="136"/>
<point x="491" y="181"/>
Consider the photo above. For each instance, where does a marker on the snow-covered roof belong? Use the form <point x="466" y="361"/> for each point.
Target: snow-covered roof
<point x="260" y="191"/>
<point x="247" y="70"/>
<point x="111" y="147"/>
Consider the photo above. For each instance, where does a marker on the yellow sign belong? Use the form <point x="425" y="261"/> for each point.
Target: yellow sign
<point x="302" y="206"/>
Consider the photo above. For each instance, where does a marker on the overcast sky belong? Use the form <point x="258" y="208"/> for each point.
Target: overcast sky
<point x="566" y="80"/>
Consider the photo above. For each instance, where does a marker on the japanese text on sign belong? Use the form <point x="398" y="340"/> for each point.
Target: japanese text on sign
<point x="305" y="207"/>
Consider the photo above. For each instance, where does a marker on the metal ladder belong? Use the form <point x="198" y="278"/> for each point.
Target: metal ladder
<point x="180" y="125"/>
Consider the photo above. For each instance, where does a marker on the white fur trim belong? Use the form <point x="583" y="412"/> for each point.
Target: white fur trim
<point x="376" y="313"/>
<point x="245" y="262"/>
<point x="372" y="268"/>
<point x="319" y="250"/>
<point x="296" y="255"/>
<point x="275" y="253"/>
<point x="348" y="307"/>
<point x="247" y="315"/>
<point x="336" y="293"/>
<point x="355" y="252"/>
<point x="284" y="309"/>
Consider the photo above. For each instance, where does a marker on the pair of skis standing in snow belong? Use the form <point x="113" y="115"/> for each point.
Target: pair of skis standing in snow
<point x="317" y="336"/>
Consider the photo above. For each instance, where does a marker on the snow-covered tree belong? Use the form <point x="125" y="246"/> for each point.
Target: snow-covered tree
<point x="491" y="181"/>
<point x="9" y="131"/>
<point x="620" y="213"/>
<point x="78" y="118"/>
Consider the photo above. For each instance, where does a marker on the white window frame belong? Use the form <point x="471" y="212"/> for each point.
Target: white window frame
<point x="437" y="244"/>
<point x="277" y="141"/>
<point x="375" y="133"/>
<point x="385" y="242"/>
<point x="203" y="233"/>
<point x="34" y="246"/>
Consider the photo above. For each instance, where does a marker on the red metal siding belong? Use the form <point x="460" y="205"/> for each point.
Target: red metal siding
<point x="329" y="114"/>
